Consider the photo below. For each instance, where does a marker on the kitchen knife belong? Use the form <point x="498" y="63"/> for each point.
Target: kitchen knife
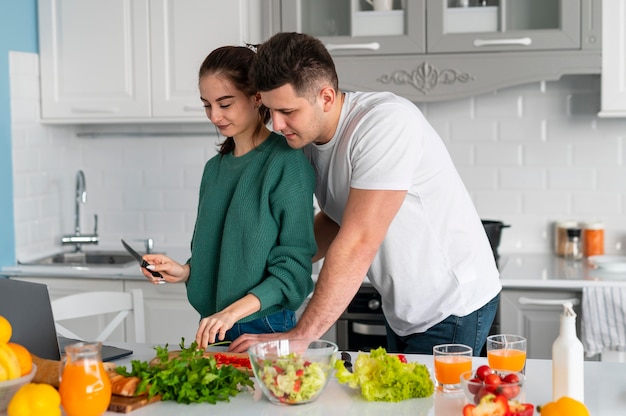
<point x="141" y="261"/>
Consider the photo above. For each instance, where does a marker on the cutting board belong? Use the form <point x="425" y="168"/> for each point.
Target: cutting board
<point x="122" y="404"/>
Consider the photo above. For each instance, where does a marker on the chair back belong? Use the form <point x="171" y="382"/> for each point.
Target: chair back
<point x="81" y="305"/>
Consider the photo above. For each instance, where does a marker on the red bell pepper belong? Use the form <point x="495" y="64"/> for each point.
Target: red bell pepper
<point x="520" y="409"/>
<point x="489" y="405"/>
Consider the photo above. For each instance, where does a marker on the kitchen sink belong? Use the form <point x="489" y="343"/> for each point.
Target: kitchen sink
<point x="86" y="258"/>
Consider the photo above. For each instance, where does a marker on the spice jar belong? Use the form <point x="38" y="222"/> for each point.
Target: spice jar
<point x="593" y="238"/>
<point x="560" y="235"/>
<point x="573" y="246"/>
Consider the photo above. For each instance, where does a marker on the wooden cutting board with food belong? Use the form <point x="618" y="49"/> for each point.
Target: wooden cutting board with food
<point x="204" y="376"/>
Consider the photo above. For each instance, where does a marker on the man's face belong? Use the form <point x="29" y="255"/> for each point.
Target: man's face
<point x="299" y="120"/>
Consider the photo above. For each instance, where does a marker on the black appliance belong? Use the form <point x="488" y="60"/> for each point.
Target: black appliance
<point x="362" y="325"/>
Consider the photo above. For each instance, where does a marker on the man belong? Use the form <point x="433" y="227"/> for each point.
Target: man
<point x="393" y="206"/>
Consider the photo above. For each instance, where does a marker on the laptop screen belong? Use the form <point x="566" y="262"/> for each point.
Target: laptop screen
<point x="27" y="307"/>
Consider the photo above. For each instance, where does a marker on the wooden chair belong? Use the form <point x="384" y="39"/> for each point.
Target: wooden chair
<point x="86" y="304"/>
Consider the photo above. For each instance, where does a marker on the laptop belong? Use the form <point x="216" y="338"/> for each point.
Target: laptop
<point x="27" y="307"/>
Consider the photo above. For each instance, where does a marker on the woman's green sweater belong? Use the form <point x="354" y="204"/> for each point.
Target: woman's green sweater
<point x="254" y="230"/>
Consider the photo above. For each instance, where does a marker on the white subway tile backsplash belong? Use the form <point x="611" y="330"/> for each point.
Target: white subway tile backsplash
<point x="498" y="154"/>
<point x="527" y="154"/>
<point x="572" y="178"/>
<point x="522" y="178"/>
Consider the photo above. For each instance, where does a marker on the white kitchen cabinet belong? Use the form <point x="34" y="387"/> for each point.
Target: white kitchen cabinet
<point x="89" y="327"/>
<point x="535" y="314"/>
<point x="613" y="58"/>
<point x="133" y="60"/>
<point x="169" y="316"/>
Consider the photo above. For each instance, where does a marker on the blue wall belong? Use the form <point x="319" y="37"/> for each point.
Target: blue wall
<point x="18" y="32"/>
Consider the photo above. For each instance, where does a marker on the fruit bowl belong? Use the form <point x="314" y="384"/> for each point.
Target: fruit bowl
<point x="10" y="387"/>
<point x="292" y="371"/>
<point x="507" y="383"/>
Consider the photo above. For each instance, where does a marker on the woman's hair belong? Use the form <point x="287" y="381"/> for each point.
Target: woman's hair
<point x="234" y="63"/>
<point x="297" y="59"/>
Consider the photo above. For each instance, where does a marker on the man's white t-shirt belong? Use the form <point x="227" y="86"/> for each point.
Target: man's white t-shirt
<point x="436" y="259"/>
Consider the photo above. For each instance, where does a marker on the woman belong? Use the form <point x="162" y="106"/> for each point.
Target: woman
<point x="251" y="250"/>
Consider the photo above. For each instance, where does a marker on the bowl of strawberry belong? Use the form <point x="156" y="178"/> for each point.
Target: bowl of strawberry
<point x="486" y="380"/>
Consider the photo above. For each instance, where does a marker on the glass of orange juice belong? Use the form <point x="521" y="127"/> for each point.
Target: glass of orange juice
<point x="506" y="352"/>
<point x="451" y="360"/>
<point x="85" y="387"/>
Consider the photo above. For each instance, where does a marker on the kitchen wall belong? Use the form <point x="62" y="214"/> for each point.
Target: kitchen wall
<point x="529" y="155"/>
<point x="17" y="32"/>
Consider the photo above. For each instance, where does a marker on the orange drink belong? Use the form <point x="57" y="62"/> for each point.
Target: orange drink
<point x="448" y="369"/>
<point x="506" y="352"/>
<point x="505" y="359"/>
<point x="451" y="360"/>
<point x="85" y="387"/>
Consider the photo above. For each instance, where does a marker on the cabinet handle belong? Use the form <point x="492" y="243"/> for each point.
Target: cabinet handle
<point x="87" y="110"/>
<point x="374" y="46"/>
<point x="523" y="300"/>
<point x="368" y="329"/>
<point x="499" y="42"/>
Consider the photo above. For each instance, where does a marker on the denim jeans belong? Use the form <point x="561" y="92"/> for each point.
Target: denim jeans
<point x="471" y="330"/>
<point x="280" y="321"/>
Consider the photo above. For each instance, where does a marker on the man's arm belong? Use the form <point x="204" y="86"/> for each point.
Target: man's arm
<point x="366" y="219"/>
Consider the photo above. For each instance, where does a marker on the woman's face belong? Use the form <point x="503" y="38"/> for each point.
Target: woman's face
<point x="229" y="109"/>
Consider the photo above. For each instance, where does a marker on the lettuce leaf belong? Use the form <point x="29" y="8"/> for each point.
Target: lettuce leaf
<point x="383" y="377"/>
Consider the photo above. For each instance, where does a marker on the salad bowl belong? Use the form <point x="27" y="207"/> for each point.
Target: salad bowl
<point x="293" y="371"/>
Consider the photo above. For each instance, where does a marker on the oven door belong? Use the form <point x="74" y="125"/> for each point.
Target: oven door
<point x="361" y="335"/>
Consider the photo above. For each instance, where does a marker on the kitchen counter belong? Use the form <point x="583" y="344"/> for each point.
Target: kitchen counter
<point x="516" y="270"/>
<point x="605" y="393"/>
<point x="130" y="271"/>
<point x="542" y="271"/>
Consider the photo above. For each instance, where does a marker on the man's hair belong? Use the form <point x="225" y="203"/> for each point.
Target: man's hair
<point x="297" y="59"/>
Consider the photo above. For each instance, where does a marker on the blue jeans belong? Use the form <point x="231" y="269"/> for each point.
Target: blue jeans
<point x="280" y="321"/>
<point x="471" y="330"/>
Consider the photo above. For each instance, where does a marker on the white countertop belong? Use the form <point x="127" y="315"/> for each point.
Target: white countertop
<point x="533" y="271"/>
<point x="550" y="271"/>
<point x="605" y="388"/>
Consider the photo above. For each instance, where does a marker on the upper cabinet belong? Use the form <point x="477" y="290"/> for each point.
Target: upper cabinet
<point x="613" y="59"/>
<point x="503" y="25"/>
<point x="133" y="60"/>
<point x="432" y="50"/>
<point x="349" y="27"/>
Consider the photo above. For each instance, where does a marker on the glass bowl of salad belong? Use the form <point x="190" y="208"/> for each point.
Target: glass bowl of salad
<point x="293" y="371"/>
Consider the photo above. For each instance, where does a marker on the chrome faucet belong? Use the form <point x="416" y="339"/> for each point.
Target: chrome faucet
<point x="81" y="197"/>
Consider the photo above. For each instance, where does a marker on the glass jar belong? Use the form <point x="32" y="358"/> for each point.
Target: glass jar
<point x="593" y="238"/>
<point x="573" y="246"/>
<point x="85" y="387"/>
<point x="560" y="235"/>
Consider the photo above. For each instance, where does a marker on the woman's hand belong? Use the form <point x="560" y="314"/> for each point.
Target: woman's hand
<point x="171" y="270"/>
<point x="213" y="328"/>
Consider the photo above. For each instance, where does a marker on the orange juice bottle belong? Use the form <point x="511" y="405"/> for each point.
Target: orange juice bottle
<point x="85" y="387"/>
<point x="448" y="369"/>
<point x="507" y="359"/>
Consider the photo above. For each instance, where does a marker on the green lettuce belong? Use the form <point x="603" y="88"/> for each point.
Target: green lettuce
<point x="383" y="377"/>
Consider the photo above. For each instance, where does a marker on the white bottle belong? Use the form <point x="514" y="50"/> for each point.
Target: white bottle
<point x="568" y="359"/>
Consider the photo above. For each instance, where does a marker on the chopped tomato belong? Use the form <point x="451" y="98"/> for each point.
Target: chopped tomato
<point x="402" y="358"/>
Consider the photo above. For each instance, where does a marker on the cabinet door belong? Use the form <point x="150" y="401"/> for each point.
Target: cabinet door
<point x="169" y="316"/>
<point x="94" y="59"/>
<point x="503" y="25"/>
<point x="536" y="315"/>
<point x="353" y="27"/>
<point x="183" y="33"/>
<point x="613" y="58"/>
<point x="89" y="327"/>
